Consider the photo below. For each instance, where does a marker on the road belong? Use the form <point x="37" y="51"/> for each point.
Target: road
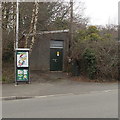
<point x="96" y="104"/>
<point x="51" y="88"/>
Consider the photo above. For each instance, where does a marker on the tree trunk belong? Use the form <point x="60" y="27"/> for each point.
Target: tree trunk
<point x="34" y="26"/>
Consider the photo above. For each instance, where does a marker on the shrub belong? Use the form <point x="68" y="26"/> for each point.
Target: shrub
<point x="90" y="63"/>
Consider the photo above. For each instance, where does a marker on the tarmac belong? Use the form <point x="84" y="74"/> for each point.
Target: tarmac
<point x="52" y="83"/>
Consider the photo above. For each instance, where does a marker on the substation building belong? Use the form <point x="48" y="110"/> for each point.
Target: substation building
<point x="50" y="50"/>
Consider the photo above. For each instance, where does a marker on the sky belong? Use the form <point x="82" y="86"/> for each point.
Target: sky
<point x="101" y="12"/>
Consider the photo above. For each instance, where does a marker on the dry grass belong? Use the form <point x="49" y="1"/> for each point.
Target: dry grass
<point x="8" y="76"/>
<point x="86" y="79"/>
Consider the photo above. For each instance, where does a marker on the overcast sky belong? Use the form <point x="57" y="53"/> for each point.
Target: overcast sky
<point x="101" y="12"/>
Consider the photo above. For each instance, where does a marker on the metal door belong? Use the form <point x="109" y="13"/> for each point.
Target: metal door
<point x="56" y="59"/>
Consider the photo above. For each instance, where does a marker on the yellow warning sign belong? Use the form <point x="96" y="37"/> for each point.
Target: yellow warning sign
<point x="58" y="53"/>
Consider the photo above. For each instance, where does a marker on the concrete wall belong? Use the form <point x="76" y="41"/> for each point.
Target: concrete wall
<point x="40" y="56"/>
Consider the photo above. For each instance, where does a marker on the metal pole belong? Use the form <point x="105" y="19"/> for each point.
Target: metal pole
<point x="16" y="42"/>
<point x="17" y="23"/>
<point x="71" y="25"/>
<point x="118" y="41"/>
<point x="70" y="41"/>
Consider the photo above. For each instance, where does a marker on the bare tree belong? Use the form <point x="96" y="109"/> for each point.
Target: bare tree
<point x="34" y="25"/>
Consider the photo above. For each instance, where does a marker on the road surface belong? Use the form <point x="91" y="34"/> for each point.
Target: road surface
<point x="96" y="104"/>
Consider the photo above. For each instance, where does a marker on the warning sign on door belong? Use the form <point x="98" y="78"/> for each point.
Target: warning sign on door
<point x="58" y="53"/>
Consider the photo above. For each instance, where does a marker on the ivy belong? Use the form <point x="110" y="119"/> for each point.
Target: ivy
<point x="90" y="63"/>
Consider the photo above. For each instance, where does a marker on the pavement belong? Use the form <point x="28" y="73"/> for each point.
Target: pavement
<point x="52" y="83"/>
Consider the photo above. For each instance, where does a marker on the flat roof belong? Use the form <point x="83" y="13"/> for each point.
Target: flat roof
<point x="22" y="49"/>
<point x="49" y="32"/>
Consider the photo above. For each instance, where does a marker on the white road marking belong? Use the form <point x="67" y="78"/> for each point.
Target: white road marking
<point x="107" y="90"/>
<point x="44" y="96"/>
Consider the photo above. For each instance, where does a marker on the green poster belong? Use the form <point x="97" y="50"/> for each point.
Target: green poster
<point x="22" y="75"/>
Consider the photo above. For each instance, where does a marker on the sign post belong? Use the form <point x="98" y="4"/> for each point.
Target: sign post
<point x="22" y="65"/>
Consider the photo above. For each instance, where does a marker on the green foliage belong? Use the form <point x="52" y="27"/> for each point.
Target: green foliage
<point x="90" y="63"/>
<point x="107" y="36"/>
<point x="98" y="52"/>
<point x="92" y="29"/>
<point x="8" y="48"/>
<point x="8" y="74"/>
<point x="8" y="56"/>
<point x="89" y="34"/>
<point x="80" y="35"/>
<point x="94" y="37"/>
